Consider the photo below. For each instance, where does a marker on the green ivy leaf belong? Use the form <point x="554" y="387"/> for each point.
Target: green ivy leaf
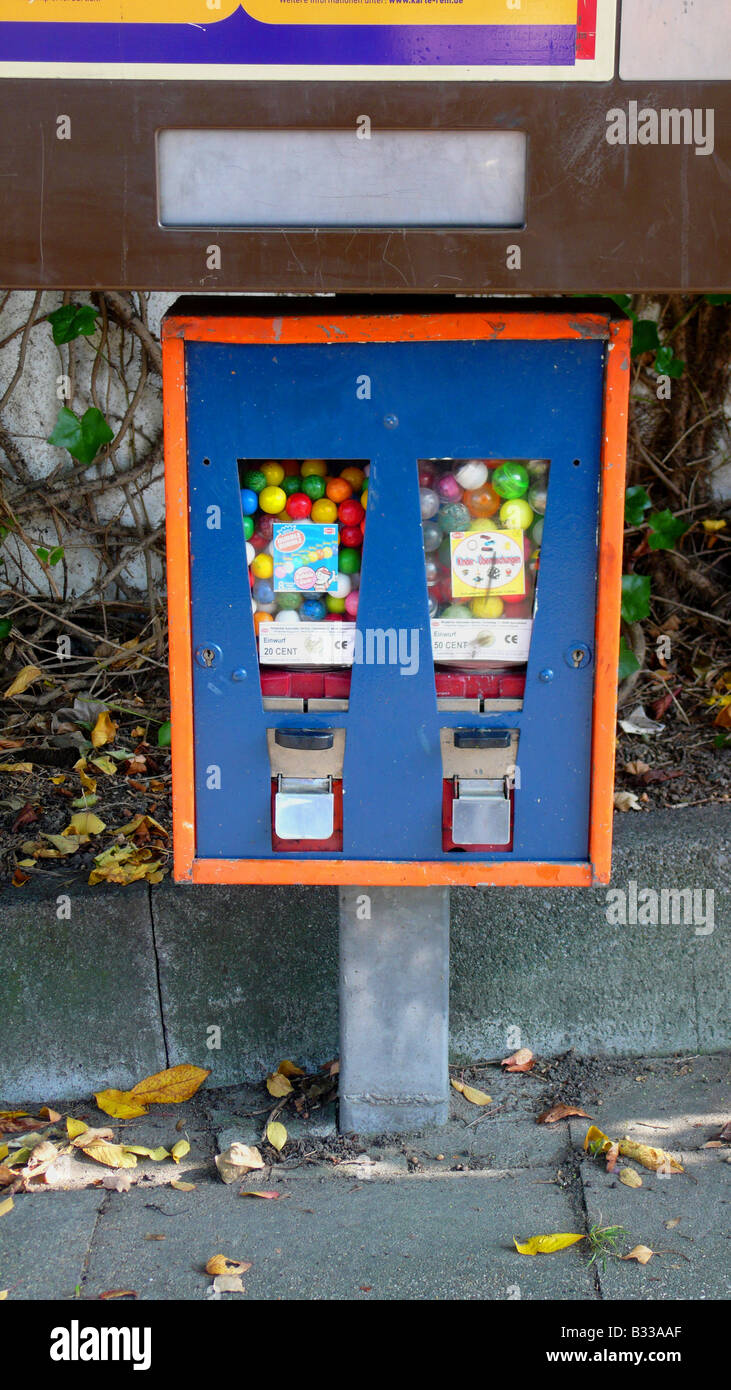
<point x="163" y="735"/>
<point x="636" y="503"/>
<point x="665" y="530"/>
<point x="42" y="555"/>
<point x="717" y="298"/>
<point x="82" y="437"/>
<point x="56" y="554"/>
<point x="628" y="662"/>
<point x="5" y="626"/>
<point x="635" y="597"/>
<point x="72" y="321"/>
<point x="644" y="337"/>
<point x="722" y="740"/>
<point x="667" y="364"/>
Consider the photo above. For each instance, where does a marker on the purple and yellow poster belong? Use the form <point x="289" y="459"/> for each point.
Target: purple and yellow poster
<point x="547" y="40"/>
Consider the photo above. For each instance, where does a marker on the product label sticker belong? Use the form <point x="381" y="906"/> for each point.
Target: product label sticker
<point x="498" y="640"/>
<point x="305" y="557"/>
<point x="487" y="562"/>
<point x="306" y="644"/>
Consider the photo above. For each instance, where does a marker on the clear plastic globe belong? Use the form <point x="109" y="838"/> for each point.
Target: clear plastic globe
<point x="429" y="501"/>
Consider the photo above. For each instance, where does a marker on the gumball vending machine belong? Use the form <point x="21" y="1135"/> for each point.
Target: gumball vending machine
<point x="394" y="541"/>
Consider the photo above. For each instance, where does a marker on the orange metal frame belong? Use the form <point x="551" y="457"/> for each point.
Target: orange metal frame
<point x="398" y="328"/>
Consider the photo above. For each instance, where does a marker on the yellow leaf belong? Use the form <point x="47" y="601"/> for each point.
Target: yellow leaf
<point x="13" y="1114"/>
<point x="111" y="1155"/>
<point x="104" y="730"/>
<point x="4" y="1151"/>
<point x="105" y="764"/>
<point x="58" y="781"/>
<point x="288" y="1068"/>
<point x="156" y="1154"/>
<point x="16" y="767"/>
<point x="75" y="1127"/>
<point x="221" y="1264"/>
<point x="277" y="1135"/>
<point x="3" y="1295"/>
<point x="6" y="1206"/>
<point x="179" y="1150"/>
<point x="120" y="1104"/>
<point x="630" y="1178"/>
<point x="24" y="678"/>
<point x="47" y="1114"/>
<point x="146" y="822"/>
<point x="65" y="844"/>
<point x="656" y="1160"/>
<point x="278" y="1085"/>
<point x="84" y="823"/>
<point x="172" y="1086"/>
<point x="182" y="1186"/>
<point x="713" y="524"/>
<point x="93" y="1136"/>
<point x="641" y="1253"/>
<point x="471" y="1094"/>
<point x="595" y="1139"/>
<point x="545" y="1245"/>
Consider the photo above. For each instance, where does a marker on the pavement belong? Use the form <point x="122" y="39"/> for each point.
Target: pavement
<point x="425" y="1216"/>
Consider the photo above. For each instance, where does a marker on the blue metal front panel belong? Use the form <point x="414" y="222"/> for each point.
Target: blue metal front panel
<point x="450" y="400"/>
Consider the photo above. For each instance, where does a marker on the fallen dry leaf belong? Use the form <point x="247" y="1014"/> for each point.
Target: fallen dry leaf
<point x="228" y="1283"/>
<point x="641" y="1253"/>
<point x="630" y="1178"/>
<point x="16" y="767"/>
<point x="74" y="1127"/>
<point x="221" y="1264"/>
<point x="84" y="823"/>
<point x="612" y="1157"/>
<point x="118" y="1293"/>
<point x="522" y="1060"/>
<point x="279" y="1085"/>
<point x="119" y="1105"/>
<point x="471" y="1094"/>
<point x="116" y="1182"/>
<point x="112" y="1155"/>
<point x="626" y="801"/>
<point x="290" y="1069"/>
<point x="655" y="1159"/>
<point x="636" y="768"/>
<point x="559" y="1112"/>
<point x="47" y="1114"/>
<point x="6" y="1206"/>
<point x="237" y="1160"/>
<point x="87" y="1135"/>
<point x="182" y="1186"/>
<point x="172" y="1086"/>
<point x="277" y="1135"/>
<point x="104" y="730"/>
<point x="24" y="678"/>
<point x="179" y="1150"/>
<point x="157" y="1155"/>
<point x="672" y="1223"/>
<point x="546" y="1245"/>
<point x="253" y="1192"/>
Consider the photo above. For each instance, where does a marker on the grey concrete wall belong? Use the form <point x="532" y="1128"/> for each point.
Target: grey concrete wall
<point x="139" y="977"/>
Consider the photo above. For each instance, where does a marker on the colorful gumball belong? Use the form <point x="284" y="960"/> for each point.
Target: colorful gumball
<point x="255" y="480"/>
<point x="299" y="506"/>
<point x="432" y="571"/>
<point x="289" y="600"/>
<point x="444" y="553"/>
<point x="334" y="604"/>
<point x="351" y="536"/>
<point x="350" y="512"/>
<point x="291" y="467"/>
<point x="427" y="475"/>
<point x="348" y="561"/>
<point x="272" y="500"/>
<point x="265" y="527"/>
<point x="262" y="566"/>
<point x="516" y="514"/>
<point x="274" y="473"/>
<point x="537" y="469"/>
<point x="471" y="475"/>
<point x="263" y="593"/>
<point x="449" y="489"/>
<point x="288" y="615"/>
<point x="536" y="531"/>
<point x="429" y="502"/>
<point x="312" y="610"/>
<point x="291" y="485"/>
<point x="337" y="489"/>
<point x="364" y="497"/>
<point x="482" y="501"/>
<point x="454" y="517"/>
<point x="250" y="552"/>
<point x="333" y="617"/>
<point x="260" y="618"/>
<point x="313" y="485"/>
<point x="510" y="480"/>
<point x="324" y="510"/>
<point x="487" y="607"/>
<point x="249" y="501"/>
<point x="351" y="603"/>
<point x="248" y="527"/>
<point x="342" y="586"/>
<point x="455" y="611"/>
<point x="355" y="476"/>
<point x="313" y="468"/>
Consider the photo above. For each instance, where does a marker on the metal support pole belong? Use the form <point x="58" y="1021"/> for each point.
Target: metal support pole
<point x="394" y="1008"/>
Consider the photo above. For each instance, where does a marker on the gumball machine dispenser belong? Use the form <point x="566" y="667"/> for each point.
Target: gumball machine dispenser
<point x="394" y="542"/>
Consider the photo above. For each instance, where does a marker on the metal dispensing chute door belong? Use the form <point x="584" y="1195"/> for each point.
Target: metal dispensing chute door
<point x="392" y="404"/>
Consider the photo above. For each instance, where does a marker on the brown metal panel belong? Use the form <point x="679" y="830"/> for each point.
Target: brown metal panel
<point x="82" y="212"/>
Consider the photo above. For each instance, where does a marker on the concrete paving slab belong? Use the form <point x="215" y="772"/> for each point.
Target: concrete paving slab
<point x="44" y="1243"/>
<point x="412" y="1238"/>
<point x="78" y="990"/>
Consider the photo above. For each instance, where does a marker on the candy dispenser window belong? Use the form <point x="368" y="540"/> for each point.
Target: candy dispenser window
<point x="304" y="525"/>
<point x="483" y="530"/>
